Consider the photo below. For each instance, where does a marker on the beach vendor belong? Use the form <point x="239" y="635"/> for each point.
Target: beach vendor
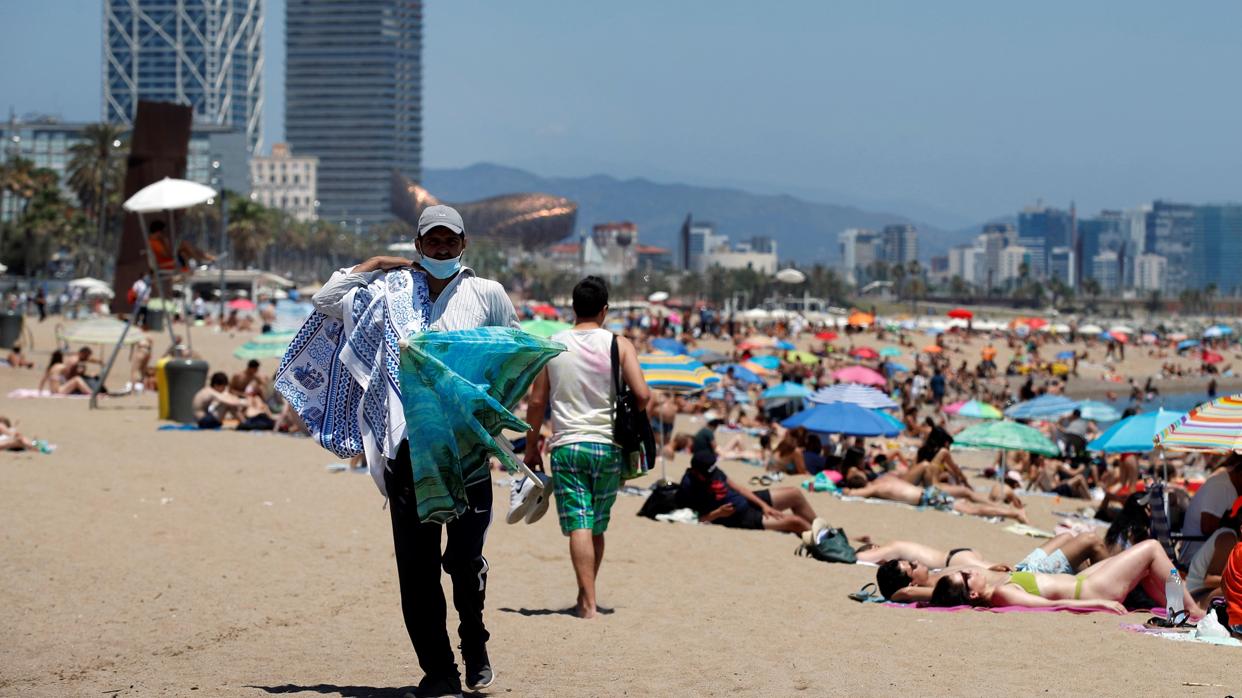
<point x="456" y="299"/>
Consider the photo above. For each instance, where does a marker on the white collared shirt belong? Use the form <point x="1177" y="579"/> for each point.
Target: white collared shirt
<point x="466" y="303"/>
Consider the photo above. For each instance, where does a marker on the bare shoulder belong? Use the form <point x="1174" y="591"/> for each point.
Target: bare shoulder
<point x="624" y="345"/>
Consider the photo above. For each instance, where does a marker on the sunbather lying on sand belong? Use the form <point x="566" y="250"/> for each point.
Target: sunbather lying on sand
<point x="718" y="499"/>
<point x="1102" y="586"/>
<point x="910" y="570"/>
<point x="944" y="497"/>
<point x="13" y="440"/>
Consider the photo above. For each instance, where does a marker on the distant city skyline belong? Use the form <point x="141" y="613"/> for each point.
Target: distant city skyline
<point x="950" y="114"/>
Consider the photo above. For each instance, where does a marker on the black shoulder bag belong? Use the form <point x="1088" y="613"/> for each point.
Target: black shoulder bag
<point x="631" y="430"/>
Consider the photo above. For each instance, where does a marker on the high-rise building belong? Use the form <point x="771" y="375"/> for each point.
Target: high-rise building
<point x="1106" y="270"/>
<point x="1040" y="229"/>
<point x="1012" y="259"/>
<point x="204" y="53"/>
<point x="1150" y="271"/>
<point x="353" y="99"/>
<point x="1062" y="265"/>
<point x="1217" y="246"/>
<point x="1170" y="234"/>
<point x="859" y="250"/>
<point x="901" y="243"/>
<point x="285" y="181"/>
<point x="702" y="240"/>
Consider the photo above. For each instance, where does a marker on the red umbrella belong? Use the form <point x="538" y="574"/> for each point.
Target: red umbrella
<point x="544" y="309"/>
<point x="961" y="314"/>
<point x="241" y="304"/>
<point x="826" y="336"/>
<point x="864" y="353"/>
<point x="1211" y="357"/>
<point x="1035" y="323"/>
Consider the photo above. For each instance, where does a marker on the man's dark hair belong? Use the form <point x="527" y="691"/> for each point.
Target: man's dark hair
<point x="949" y="592"/>
<point x="891" y="579"/>
<point x="157" y="226"/>
<point x="219" y="378"/>
<point x="590" y="297"/>
<point x="813" y="444"/>
<point x="253" y="363"/>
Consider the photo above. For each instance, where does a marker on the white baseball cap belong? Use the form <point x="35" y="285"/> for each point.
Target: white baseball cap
<point x="440" y="215"/>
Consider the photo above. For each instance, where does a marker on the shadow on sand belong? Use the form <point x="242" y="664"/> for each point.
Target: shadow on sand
<point x="554" y="611"/>
<point x="328" y="689"/>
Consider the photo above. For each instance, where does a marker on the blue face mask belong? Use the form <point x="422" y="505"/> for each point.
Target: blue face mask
<point x="441" y="268"/>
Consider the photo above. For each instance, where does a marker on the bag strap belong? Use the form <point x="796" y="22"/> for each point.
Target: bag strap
<point x="616" y="372"/>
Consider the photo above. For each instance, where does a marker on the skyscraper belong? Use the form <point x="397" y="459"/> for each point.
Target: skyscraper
<point x="204" y="53"/>
<point x="1170" y="234"/>
<point x="1217" y="247"/>
<point x="1040" y="229"/>
<point x="901" y="243"/>
<point x="353" y="99"/>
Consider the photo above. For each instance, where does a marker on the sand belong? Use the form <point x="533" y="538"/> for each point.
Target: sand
<point x="140" y="563"/>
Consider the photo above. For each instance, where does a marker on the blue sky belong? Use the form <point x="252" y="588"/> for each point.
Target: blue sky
<point x="959" y="109"/>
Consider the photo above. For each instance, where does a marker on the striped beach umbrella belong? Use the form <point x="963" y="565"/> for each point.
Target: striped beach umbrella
<point x="1042" y="407"/>
<point x="1006" y="436"/>
<point x="1214" y="427"/>
<point x="974" y="409"/>
<point x="678" y="373"/>
<point x="861" y="395"/>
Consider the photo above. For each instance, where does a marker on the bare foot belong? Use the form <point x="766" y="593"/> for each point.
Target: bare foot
<point x="584" y="612"/>
<point x="1021" y="516"/>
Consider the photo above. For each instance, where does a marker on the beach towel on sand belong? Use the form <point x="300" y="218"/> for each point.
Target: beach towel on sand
<point x="365" y="384"/>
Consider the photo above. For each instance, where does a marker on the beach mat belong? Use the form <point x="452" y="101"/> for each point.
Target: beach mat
<point x="1180" y="636"/>
<point x="32" y="393"/>
<point x="1000" y="609"/>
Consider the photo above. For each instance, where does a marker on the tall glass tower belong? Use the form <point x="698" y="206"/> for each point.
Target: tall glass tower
<point x="353" y="99"/>
<point x="204" y="53"/>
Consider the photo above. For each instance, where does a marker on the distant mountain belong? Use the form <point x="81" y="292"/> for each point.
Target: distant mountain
<point x="804" y="231"/>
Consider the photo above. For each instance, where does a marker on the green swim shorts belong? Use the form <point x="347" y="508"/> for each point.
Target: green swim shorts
<point x="585" y="479"/>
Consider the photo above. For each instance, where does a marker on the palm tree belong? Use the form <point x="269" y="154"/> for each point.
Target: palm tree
<point x="899" y="273"/>
<point x="96" y="174"/>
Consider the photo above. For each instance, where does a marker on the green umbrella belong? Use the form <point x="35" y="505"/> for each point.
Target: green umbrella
<point x="544" y="328"/>
<point x="270" y="345"/>
<point x="1006" y="436"/>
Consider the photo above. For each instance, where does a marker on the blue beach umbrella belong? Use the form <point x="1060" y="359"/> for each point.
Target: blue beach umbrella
<point x="1065" y="355"/>
<point x="708" y="356"/>
<point x="861" y="395"/>
<point x="784" y="346"/>
<point x="786" y="391"/>
<point x="741" y="374"/>
<point x="1187" y="344"/>
<point x="1098" y="411"/>
<point x="890" y="351"/>
<point x="1135" y="434"/>
<point x="668" y="346"/>
<point x="843" y="418"/>
<point x="739" y="396"/>
<point x="1042" y="407"/>
<point x="769" y="362"/>
<point x="675" y="372"/>
<point x="893" y="367"/>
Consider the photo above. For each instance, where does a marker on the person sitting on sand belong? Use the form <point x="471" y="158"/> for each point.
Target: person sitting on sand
<point x="718" y="499"/>
<point x="248" y="381"/>
<point x="908" y="571"/>
<point x="1203" y="577"/>
<point x="141" y="372"/>
<point x="18" y="360"/>
<point x="256" y="415"/>
<point x="957" y="498"/>
<point x="58" y="380"/>
<point x="1102" y="586"/>
<point x="213" y="403"/>
<point x="788" y="455"/>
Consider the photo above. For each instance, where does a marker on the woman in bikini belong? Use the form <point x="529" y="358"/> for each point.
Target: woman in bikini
<point x="57" y="378"/>
<point x="1101" y="587"/>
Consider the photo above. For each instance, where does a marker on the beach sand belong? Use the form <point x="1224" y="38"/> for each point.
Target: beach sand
<point x="140" y="563"/>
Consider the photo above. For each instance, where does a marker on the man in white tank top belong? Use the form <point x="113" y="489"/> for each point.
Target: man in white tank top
<point x="586" y="462"/>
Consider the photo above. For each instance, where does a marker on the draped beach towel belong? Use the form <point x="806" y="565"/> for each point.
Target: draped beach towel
<point x="458" y="388"/>
<point x="341" y="376"/>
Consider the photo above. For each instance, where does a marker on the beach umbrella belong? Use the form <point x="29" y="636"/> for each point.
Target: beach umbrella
<point x="1216" y="331"/>
<point x="933" y="349"/>
<point x="860" y="319"/>
<point x="1121" y="337"/>
<point x="669" y="346"/>
<point x="864" y="353"/>
<point x="757" y="369"/>
<point x="790" y="276"/>
<point x="268" y="349"/>
<point x="1150" y="338"/>
<point x="1121" y="329"/>
<point x="707" y="356"/>
<point x="1178" y="336"/>
<point x="826" y="336"/>
<point x="544" y="309"/>
<point x="658" y="297"/>
<point x="1091" y="329"/>
<point x="859" y="374"/>
<point x="1043" y="406"/>
<point x="1098" y="411"/>
<point x="974" y="409"/>
<point x="675" y="372"/>
<point x="861" y="395"/>
<point x="1187" y="344"/>
<point x="544" y="328"/>
<point x="890" y="351"/>
<point x="842" y="418"/>
<point x="933" y="331"/>
<point x="242" y="304"/>
<point x="803" y="357"/>
<point x="1136" y="433"/>
<point x="741" y="374"/>
<point x="168" y="194"/>
<point x="893" y="367"/>
<point x="1006" y="436"/>
<point x="784" y="346"/>
<point x="1214" y="426"/>
<point x="757" y="342"/>
<point x="98" y="331"/>
<point x="960" y="314"/>
<point x="739" y="396"/>
<point x="786" y="391"/>
<point x="1065" y="355"/>
<point x="1211" y="357"/>
<point x="770" y="363"/>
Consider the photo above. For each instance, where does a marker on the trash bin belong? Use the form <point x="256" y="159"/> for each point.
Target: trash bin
<point x="155" y="320"/>
<point x="10" y="329"/>
<point x="178" y="380"/>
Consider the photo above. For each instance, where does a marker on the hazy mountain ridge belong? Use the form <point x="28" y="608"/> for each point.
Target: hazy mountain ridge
<point x="805" y="231"/>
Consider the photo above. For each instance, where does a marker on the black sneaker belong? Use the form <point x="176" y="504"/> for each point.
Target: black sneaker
<point x="479" y="672"/>
<point x="431" y="687"/>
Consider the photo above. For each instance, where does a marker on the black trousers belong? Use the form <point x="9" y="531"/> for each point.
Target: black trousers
<point x="419" y="560"/>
